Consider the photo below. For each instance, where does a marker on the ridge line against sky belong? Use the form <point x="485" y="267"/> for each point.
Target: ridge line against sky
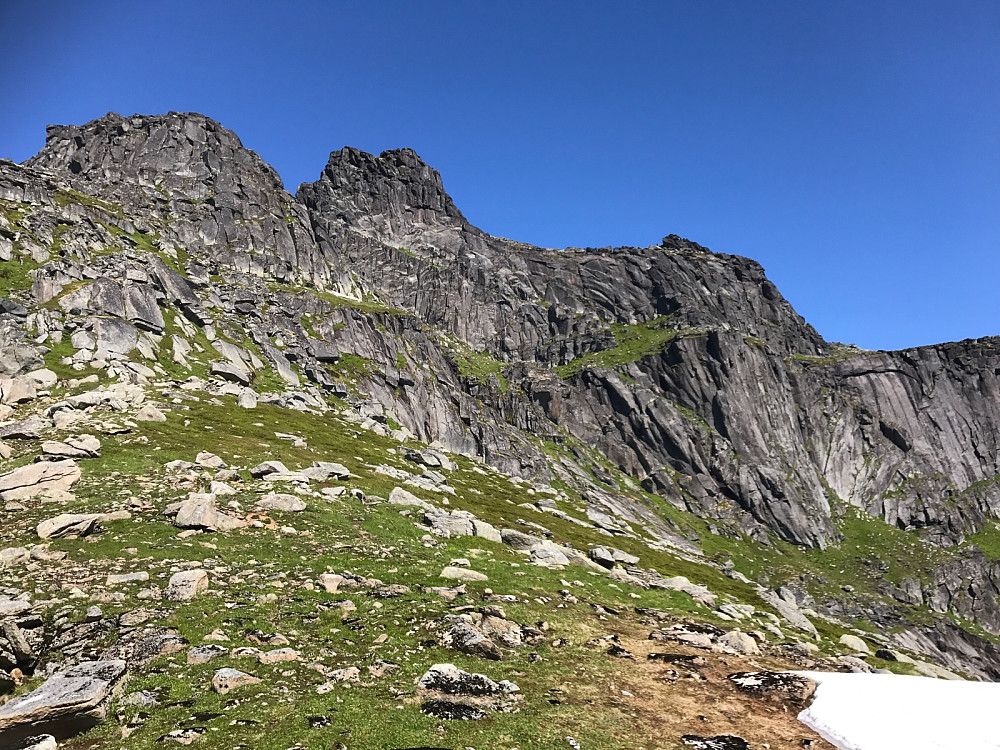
<point x="853" y="149"/>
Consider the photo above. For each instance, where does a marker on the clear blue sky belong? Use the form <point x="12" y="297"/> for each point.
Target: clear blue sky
<point x="853" y="148"/>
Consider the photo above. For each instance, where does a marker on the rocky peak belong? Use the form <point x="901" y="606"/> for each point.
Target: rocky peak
<point x="184" y="153"/>
<point x="394" y="196"/>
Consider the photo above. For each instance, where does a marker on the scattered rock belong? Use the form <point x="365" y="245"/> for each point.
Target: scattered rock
<point x="150" y="413"/>
<point x="66" y="704"/>
<point x="227" y="679"/>
<point x="186" y="585"/>
<point x="854" y="644"/>
<point x="718" y="742"/>
<point x="200" y="511"/>
<point x="41" y="478"/>
<point x="204" y="654"/>
<point x="281" y="502"/>
<point x="739" y="642"/>
<point x="68" y="526"/>
<point x="209" y="460"/>
<point x="782" y="686"/>
<point x="462" y="574"/>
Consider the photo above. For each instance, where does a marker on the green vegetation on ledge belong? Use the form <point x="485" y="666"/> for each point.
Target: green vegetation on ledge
<point x="633" y="343"/>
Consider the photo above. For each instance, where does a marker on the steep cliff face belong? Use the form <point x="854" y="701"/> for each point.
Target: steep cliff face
<point x="673" y="367"/>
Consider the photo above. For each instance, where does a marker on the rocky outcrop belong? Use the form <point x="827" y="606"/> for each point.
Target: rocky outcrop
<point x="67" y="703"/>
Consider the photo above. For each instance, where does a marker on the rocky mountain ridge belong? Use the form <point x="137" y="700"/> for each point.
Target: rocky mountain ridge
<point x="666" y="395"/>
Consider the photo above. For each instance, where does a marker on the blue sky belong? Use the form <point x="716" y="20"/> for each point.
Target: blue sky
<point x="853" y="148"/>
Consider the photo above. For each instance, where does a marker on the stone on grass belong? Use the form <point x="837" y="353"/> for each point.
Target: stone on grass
<point x="399" y="496"/>
<point x="204" y="654"/>
<point x="68" y="525"/>
<point x="186" y="585"/>
<point x="80" y="446"/>
<point x="519" y="540"/>
<point x="281" y="502"/>
<point x="854" y="644"/>
<point x="268" y="467"/>
<point x="13" y="556"/>
<point x="468" y="640"/>
<point x="150" y="413"/>
<point x="330" y="582"/>
<point x="200" y="511"/>
<point x="115" y="579"/>
<point x="227" y="679"/>
<point x="462" y="574"/>
<point x="449" y="679"/>
<point x="278" y="655"/>
<point x="43" y="378"/>
<point x="740" y="642"/>
<point x="209" y="460"/>
<point x="41" y="478"/>
<point x="67" y="703"/>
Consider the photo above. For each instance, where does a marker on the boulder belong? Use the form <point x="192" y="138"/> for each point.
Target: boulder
<point x="448" y="524"/>
<point x="17" y="390"/>
<point x="782" y="686"/>
<point x="13" y="607"/>
<point x="518" y="539"/>
<point x="43" y="378"/>
<point x="13" y="556"/>
<point x="281" y="502"/>
<point x="228" y="679"/>
<point x="462" y="574"/>
<point x="278" y="655"/>
<point x="80" y="446"/>
<point x="602" y="556"/>
<point x="26" y="429"/>
<point x="324" y="471"/>
<point x="186" y="585"/>
<point x="150" y="413"/>
<point x="548" y="555"/>
<point x="266" y="468"/>
<point x="43" y="477"/>
<point x="247" y="399"/>
<point x="205" y="654"/>
<point x="231" y="372"/>
<point x="854" y="644"/>
<point x="67" y="703"/>
<point x="209" y="460"/>
<point x="68" y="525"/>
<point x="399" y="496"/>
<point x="739" y="642"/>
<point x="449" y="679"/>
<point x="485" y="531"/>
<point x="330" y="582"/>
<point x="471" y="641"/>
<point x="38" y="742"/>
<point x="200" y="511"/>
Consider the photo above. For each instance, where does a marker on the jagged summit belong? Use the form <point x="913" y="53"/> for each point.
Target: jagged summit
<point x="183" y="151"/>
<point x="395" y="197"/>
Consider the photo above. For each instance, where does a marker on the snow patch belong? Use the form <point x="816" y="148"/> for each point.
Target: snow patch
<point x="890" y="712"/>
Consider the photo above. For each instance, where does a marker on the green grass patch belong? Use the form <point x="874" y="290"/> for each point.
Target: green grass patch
<point x="633" y="342"/>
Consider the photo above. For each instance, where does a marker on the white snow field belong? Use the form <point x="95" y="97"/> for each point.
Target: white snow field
<point x="899" y="712"/>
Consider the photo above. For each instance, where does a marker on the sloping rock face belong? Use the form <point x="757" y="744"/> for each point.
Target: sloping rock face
<point x="66" y="704"/>
<point x="684" y="368"/>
